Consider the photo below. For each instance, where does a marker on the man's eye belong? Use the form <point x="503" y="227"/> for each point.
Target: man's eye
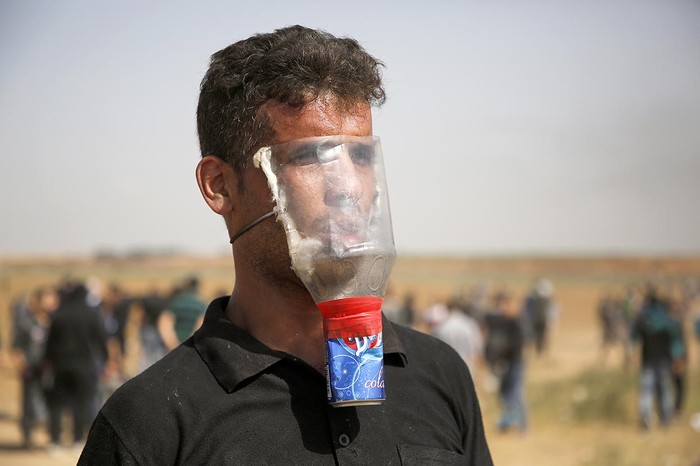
<point x="362" y="154"/>
<point x="303" y="157"/>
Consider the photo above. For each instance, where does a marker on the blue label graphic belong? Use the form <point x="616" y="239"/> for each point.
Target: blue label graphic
<point x="355" y="371"/>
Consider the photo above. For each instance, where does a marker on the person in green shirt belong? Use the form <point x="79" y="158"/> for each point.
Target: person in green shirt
<point x="183" y="315"/>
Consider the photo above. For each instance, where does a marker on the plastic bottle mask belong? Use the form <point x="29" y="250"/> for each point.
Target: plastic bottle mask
<point x="331" y="197"/>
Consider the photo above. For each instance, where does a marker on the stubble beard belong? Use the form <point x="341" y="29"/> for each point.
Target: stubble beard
<point x="267" y="255"/>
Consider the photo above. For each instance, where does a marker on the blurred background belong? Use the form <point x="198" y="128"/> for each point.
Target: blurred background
<point x="541" y="151"/>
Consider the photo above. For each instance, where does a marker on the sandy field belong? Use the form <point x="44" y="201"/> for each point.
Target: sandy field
<point x="582" y="403"/>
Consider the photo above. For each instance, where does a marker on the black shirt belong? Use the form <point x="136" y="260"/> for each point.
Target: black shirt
<point x="223" y="397"/>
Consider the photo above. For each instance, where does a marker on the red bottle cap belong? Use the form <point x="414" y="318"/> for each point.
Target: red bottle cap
<point x="352" y="317"/>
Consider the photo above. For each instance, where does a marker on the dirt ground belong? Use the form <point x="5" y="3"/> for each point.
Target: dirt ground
<point x="552" y="438"/>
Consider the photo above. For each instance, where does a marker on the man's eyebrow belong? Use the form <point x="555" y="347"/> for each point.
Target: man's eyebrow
<point x="329" y="144"/>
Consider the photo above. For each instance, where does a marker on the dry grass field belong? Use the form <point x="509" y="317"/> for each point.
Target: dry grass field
<point x="582" y="408"/>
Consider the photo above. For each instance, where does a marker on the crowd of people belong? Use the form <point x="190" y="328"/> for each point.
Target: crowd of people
<point x="70" y="345"/>
<point x="70" y="349"/>
<point x="490" y="331"/>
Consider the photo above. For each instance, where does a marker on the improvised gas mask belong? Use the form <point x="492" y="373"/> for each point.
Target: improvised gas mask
<point x="331" y="197"/>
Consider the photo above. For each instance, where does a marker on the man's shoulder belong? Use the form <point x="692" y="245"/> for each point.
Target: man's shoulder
<point x="174" y="379"/>
<point x="411" y="336"/>
<point x="154" y="403"/>
<point x="434" y="375"/>
<point x="146" y="407"/>
<point x="423" y="349"/>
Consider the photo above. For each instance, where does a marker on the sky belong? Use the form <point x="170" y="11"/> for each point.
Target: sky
<point x="511" y="127"/>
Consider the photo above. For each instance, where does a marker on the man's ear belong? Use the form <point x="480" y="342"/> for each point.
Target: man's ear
<point x="217" y="183"/>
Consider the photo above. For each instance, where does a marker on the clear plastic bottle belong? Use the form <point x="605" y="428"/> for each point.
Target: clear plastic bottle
<point x="331" y="197"/>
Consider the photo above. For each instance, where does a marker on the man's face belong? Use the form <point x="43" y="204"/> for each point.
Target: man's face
<point x="341" y="186"/>
<point x="322" y="117"/>
<point x="327" y="186"/>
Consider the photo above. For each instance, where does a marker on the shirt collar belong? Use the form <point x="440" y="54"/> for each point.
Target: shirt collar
<point x="233" y="355"/>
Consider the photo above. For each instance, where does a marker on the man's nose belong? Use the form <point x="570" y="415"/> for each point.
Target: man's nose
<point x="343" y="181"/>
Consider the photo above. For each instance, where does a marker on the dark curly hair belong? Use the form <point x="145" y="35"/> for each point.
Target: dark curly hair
<point x="294" y="66"/>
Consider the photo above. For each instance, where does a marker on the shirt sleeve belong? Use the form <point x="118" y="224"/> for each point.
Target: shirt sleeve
<point x="466" y="405"/>
<point x="104" y="447"/>
<point x="475" y="445"/>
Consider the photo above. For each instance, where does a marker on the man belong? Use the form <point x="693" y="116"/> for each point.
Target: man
<point x="539" y="311"/>
<point x="504" y="353"/>
<point x="28" y="346"/>
<point x="610" y="318"/>
<point x="661" y="343"/>
<point x="153" y="348"/>
<point x="248" y="387"/>
<point x="76" y="350"/>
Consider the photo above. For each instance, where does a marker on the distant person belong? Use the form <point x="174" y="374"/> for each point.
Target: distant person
<point x="679" y="363"/>
<point x="20" y="309"/>
<point x="435" y="314"/>
<point x="540" y="312"/>
<point x="402" y="311"/>
<point x="104" y="367"/>
<point x="407" y="313"/>
<point x="610" y="318"/>
<point x="461" y="332"/>
<point x="114" y="310"/>
<point x="152" y="346"/>
<point x="505" y="341"/>
<point x="477" y="302"/>
<point x="696" y="327"/>
<point x="183" y="316"/>
<point x="28" y="347"/>
<point x="661" y="348"/>
<point x="76" y="350"/>
<point x="120" y="303"/>
<point x="630" y="305"/>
